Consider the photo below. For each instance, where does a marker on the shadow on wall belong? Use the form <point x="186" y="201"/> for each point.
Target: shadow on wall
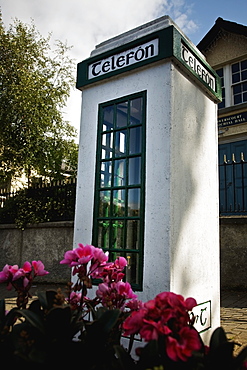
<point x="195" y="255"/>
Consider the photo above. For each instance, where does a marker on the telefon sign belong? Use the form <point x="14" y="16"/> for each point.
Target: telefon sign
<point x="124" y="59"/>
<point x="193" y="63"/>
<point x="167" y="44"/>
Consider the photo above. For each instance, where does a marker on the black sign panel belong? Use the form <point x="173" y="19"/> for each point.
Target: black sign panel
<point x="234" y="119"/>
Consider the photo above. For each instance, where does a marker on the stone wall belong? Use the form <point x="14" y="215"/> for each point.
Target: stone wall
<point x="45" y="241"/>
<point x="49" y="241"/>
<point x="233" y="242"/>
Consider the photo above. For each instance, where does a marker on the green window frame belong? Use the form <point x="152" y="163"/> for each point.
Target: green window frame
<point x="120" y="182"/>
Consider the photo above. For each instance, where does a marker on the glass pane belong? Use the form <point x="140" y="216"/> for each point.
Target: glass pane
<point x="136" y="111"/>
<point x="104" y="203"/>
<point x="135" y="171"/>
<point x="235" y="67"/>
<point x="134" y="202"/>
<point x="244" y="97"/>
<point x="120" y="143"/>
<point x="236" y="77"/>
<point x="244" y="75"/>
<point x="118" y="203"/>
<point x="106" y="173"/>
<point x="107" y="145"/>
<point x="237" y="89"/>
<point x="108" y="117"/>
<point x="118" y="234"/>
<point x="221" y="105"/>
<point x="237" y="99"/>
<point x="132" y="268"/>
<point x="122" y="114"/>
<point x="244" y="64"/>
<point x="135" y="140"/>
<point x="133" y="227"/>
<point x="103" y="234"/>
<point x="119" y="172"/>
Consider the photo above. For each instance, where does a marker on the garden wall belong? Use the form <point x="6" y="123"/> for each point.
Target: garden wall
<point x="44" y="241"/>
<point x="233" y="242"/>
<point x="49" y="241"/>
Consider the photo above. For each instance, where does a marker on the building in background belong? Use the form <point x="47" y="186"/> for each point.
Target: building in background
<point x="225" y="48"/>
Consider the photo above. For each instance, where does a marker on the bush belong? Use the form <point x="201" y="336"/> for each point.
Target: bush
<point x="44" y="204"/>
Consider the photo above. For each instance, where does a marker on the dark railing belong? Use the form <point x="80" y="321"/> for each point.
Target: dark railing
<point x="233" y="187"/>
<point x="40" y="203"/>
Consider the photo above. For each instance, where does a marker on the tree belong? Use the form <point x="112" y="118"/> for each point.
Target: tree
<point x="35" y="83"/>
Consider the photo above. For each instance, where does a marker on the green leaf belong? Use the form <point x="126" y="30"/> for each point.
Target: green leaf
<point x="218" y="337"/>
<point x="58" y="323"/>
<point x="99" y="329"/>
<point x="124" y="359"/>
<point x="2" y="311"/>
<point x="150" y="355"/>
<point x="47" y="298"/>
<point x="35" y="306"/>
<point x="34" y="319"/>
<point x="109" y="319"/>
<point x="242" y="357"/>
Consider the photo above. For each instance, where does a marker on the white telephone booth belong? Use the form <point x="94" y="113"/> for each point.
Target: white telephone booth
<point x="147" y="184"/>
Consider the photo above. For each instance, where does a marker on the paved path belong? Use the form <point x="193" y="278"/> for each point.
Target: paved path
<point x="234" y="316"/>
<point x="233" y="310"/>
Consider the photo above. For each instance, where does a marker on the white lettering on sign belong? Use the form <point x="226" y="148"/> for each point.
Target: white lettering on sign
<point x="124" y="59"/>
<point x="202" y="316"/>
<point x="197" y="67"/>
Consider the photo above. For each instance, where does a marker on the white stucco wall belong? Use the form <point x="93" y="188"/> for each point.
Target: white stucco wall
<point x="181" y="246"/>
<point x="194" y="211"/>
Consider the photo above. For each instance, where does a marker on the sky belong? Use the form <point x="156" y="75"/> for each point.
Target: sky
<point x="85" y="23"/>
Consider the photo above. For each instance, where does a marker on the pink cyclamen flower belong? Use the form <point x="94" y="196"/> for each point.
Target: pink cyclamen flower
<point x="134" y="322"/>
<point x="182" y="348"/>
<point x="74" y="300"/>
<point x="121" y="262"/>
<point x="165" y="315"/>
<point x="79" y="256"/>
<point x="152" y="330"/>
<point x="84" y="253"/>
<point x="134" y="304"/>
<point x="99" y="256"/>
<point x="69" y="257"/>
<point x="5" y="274"/>
<point x="23" y="271"/>
<point x="39" y="268"/>
<point x="115" y="294"/>
<point x="124" y="289"/>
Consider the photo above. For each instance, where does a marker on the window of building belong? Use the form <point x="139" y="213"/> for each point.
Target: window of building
<point x="239" y="82"/>
<point x="120" y="178"/>
<point x="220" y="73"/>
<point x="233" y="177"/>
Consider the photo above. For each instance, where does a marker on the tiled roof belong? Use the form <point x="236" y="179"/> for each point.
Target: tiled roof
<point x="221" y="24"/>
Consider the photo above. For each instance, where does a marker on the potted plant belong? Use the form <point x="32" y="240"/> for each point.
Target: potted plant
<point x="75" y="330"/>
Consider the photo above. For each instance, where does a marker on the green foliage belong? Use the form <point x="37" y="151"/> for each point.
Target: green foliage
<point x="35" y="83"/>
<point x="43" y="335"/>
<point x="35" y="205"/>
<point x="219" y="355"/>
